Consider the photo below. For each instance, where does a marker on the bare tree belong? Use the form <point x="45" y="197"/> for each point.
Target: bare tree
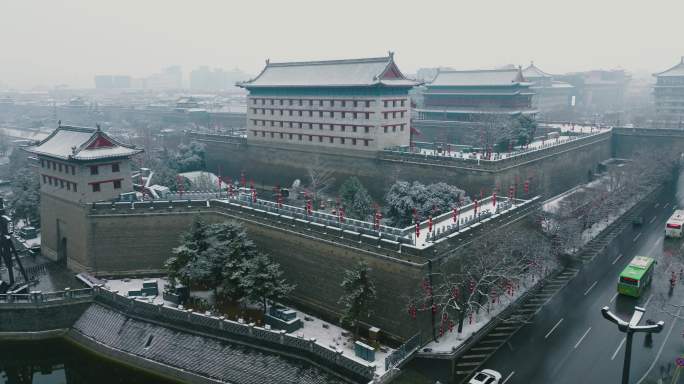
<point x="320" y="177"/>
<point x="490" y="271"/>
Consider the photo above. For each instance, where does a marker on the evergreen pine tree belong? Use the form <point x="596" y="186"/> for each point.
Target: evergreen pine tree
<point x="359" y="296"/>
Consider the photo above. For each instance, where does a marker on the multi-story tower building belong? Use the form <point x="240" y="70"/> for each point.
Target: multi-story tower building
<point x="359" y="104"/>
<point x="550" y="96"/>
<point x="477" y="95"/>
<point x="669" y="96"/>
<point x="77" y="166"/>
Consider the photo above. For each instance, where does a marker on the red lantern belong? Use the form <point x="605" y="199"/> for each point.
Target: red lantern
<point x="527" y="186"/>
<point x="494" y="199"/>
<point x="430" y="223"/>
<point x="417" y="230"/>
<point x="454" y="214"/>
<point x="475" y="207"/>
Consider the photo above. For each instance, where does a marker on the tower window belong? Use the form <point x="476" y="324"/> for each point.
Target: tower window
<point x="94" y="170"/>
<point x="117" y="184"/>
<point x="115" y="167"/>
<point x="96" y="187"/>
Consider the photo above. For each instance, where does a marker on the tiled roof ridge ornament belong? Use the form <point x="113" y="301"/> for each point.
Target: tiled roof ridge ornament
<point x="73" y="150"/>
<point x="98" y="127"/>
<point x="268" y="61"/>
<point x="390" y="54"/>
<point x="59" y="123"/>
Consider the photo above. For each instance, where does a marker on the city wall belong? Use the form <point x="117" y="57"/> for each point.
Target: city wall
<point x="551" y="170"/>
<point x="627" y="141"/>
<point x="176" y="343"/>
<point x="135" y="239"/>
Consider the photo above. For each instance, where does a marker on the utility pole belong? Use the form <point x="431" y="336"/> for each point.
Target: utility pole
<point x="630" y="328"/>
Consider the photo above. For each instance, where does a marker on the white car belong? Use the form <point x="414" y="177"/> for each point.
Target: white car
<point x="486" y="376"/>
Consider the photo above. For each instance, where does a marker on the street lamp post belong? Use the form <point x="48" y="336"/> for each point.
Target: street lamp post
<point x="630" y="328"/>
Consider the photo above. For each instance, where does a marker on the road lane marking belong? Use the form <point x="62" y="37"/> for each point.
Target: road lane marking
<point x="590" y="288"/>
<point x="655" y="245"/>
<point x="648" y="301"/>
<point x="636" y="237"/>
<point x="660" y="351"/>
<point x="582" y="338"/>
<point x="508" y="377"/>
<point x="617" y="258"/>
<point x="652" y="220"/>
<point x="613" y="298"/>
<point x="618" y="349"/>
<point x="553" y="329"/>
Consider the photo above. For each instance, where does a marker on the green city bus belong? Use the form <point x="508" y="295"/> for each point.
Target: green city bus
<point x="636" y="276"/>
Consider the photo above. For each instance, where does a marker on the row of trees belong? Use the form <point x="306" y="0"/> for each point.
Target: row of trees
<point x="169" y="163"/>
<point x="222" y="258"/>
<point x="491" y="269"/>
<point x="618" y="188"/>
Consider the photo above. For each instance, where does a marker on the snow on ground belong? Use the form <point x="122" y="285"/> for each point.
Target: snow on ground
<point x="330" y="337"/>
<point x="451" y="340"/>
<point x="333" y="337"/>
<point x="123" y="286"/>
<point x="466" y="216"/>
<point x="537" y="144"/>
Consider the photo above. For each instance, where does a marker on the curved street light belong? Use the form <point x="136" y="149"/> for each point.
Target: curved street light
<point x="630" y="328"/>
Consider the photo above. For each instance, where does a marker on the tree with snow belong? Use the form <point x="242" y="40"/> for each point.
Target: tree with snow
<point x="404" y="198"/>
<point x="355" y="199"/>
<point x="359" y="296"/>
<point x="491" y="269"/>
<point x="213" y="256"/>
<point x="261" y="280"/>
<point x="25" y="198"/>
<point x="190" y="157"/>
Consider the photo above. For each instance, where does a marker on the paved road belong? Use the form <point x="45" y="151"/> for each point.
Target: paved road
<point x="570" y="342"/>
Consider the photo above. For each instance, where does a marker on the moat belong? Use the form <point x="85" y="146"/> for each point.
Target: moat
<point x="59" y="362"/>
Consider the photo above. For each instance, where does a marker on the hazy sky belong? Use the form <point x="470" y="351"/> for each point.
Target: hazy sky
<point x="67" y="42"/>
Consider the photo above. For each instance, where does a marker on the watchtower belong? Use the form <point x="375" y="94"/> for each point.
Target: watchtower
<point x="77" y="166"/>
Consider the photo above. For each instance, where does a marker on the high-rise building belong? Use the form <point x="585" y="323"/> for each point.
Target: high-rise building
<point x="359" y="104"/>
<point x="206" y="79"/>
<point x="112" y="82"/>
<point x="168" y="78"/>
<point x="669" y="96"/>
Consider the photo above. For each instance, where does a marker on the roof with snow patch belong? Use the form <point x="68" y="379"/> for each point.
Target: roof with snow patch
<point x="332" y="73"/>
<point x="82" y="143"/>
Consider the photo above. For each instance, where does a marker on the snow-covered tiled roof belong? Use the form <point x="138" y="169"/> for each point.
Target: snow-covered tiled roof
<point x="533" y="72"/>
<point x="331" y="73"/>
<point x="677" y="70"/>
<point x="82" y="143"/>
<point x="475" y="78"/>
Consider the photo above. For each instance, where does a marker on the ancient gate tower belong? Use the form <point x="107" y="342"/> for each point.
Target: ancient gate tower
<point x="77" y="166"/>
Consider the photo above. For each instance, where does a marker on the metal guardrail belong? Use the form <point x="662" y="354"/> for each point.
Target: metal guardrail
<point x="485" y="164"/>
<point x="398" y="356"/>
